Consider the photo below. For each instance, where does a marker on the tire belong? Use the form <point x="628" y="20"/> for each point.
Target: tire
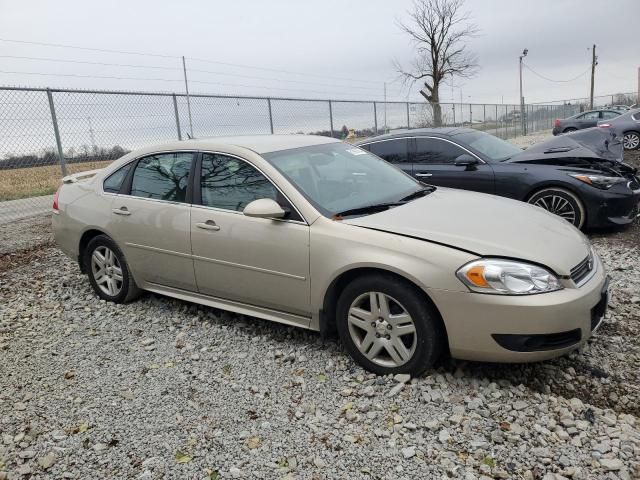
<point x="384" y="342"/>
<point x="631" y="140"/>
<point x="108" y="271"/>
<point x="569" y="130"/>
<point x="561" y="202"/>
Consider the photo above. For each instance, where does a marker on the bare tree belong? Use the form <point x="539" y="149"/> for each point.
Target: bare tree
<point x="440" y="30"/>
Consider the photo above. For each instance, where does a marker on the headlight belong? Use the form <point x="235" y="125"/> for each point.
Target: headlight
<point x="599" y="181"/>
<point x="507" y="277"/>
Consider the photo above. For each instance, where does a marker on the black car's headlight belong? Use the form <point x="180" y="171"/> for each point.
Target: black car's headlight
<point x="599" y="181"/>
<point x="507" y="277"/>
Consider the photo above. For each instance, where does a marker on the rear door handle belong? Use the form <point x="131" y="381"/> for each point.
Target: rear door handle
<point x="121" y="211"/>
<point x="208" y="225"/>
<point x="424" y="174"/>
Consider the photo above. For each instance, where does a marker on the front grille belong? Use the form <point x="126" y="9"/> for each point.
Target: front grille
<point x="582" y="270"/>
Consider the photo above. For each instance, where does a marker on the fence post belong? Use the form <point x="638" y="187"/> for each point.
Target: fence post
<point x="331" y="117"/>
<point x="56" y="132"/>
<point x="470" y="116"/>
<point x="408" y="117"/>
<point x="375" y="118"/>
<point x="175" y="111"/>
<point x="497" y="124"/>
<point x="270" y="115"/>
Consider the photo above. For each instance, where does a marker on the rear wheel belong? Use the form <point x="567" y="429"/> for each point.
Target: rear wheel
<point x="388" y="327"/>
<point x="108" y="271"/>
<point x="631" y="140"/>
<point x="561" y="202"/>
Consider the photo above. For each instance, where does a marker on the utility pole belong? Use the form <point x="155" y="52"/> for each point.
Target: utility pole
<point x="522" y="120"/>
<point x="186" y="87"/>
<point x="594" y="62"/>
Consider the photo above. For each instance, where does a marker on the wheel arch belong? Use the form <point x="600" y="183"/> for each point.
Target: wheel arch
<point x="340" y="281"/>
<point x="637" y="132"/>
<point x="85" y="238"/>
<point x="552" y="184"/>
<point x="572" y="189"/>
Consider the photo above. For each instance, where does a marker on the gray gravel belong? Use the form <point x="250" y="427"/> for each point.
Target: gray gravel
<point x="24" y="234"/>
<point x="166" y="389"/>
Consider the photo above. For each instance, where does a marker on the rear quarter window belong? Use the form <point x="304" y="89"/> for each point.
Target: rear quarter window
<point x="114" y="181"/>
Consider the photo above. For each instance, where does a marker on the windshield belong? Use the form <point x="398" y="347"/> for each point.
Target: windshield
<point x="337" y="177"/>
<point x="492" y="147"/>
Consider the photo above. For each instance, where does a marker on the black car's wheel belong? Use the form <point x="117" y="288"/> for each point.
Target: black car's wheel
<point x="568" y="130"/>
<point x="108" y="270"/>
<point x="561" y="202"/>
<point x="387" y="326"/>
<point x="631" y="140"/>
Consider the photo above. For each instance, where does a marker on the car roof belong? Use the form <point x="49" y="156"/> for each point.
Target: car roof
<point x="258" y="143"/>
<point x="416" y="132"/>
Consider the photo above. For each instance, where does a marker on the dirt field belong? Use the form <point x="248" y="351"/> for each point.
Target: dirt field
<point x="36" y="181"/>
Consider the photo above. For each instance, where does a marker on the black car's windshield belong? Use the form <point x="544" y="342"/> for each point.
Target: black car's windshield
<point x="343" y="179"/>
<point x="492" y="147"/>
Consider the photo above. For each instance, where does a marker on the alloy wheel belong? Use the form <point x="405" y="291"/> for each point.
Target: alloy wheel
<point x="557" y="205"/>
<point x="107" y="271"/>
<point x="382" y="329"/>
<point x="631" y="141"/>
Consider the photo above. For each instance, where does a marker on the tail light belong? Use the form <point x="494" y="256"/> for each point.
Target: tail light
<point x="55" y="201"/>
<point x="604" y="125"/>
<point x="556" y="123"/>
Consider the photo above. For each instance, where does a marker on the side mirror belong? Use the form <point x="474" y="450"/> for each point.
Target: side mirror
<point x="264" y="208"/>
<point x="466" y="160"/>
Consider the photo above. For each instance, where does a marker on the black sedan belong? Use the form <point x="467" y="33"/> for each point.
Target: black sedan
<point x="579" y="176"/>
<point x="583" y="120"/>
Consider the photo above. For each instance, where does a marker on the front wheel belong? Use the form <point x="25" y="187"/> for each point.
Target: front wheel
<point x="631" y="140"/>
<point x="108" y="270"/>
<point x="569" y="130"/>
<point x="388" y="327"/>
<point x="560" y="202"/>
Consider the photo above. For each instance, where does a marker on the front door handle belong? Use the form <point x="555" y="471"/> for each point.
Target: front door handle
<point x="208" y="225"/>
<point x="424" y="174"/>
<point x="121" y="211"/>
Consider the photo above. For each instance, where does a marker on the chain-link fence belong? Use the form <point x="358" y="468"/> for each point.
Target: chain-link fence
<point x="48" y="133"/>
<point x="600" y="101"/>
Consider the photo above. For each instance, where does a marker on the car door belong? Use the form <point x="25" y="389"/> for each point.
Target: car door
<point x="434" y="162"/>
<point x="393" y="150"/>
<point x="587" y="120"/>
<point x="257" y="261"/>
<point x="151" y="219"/>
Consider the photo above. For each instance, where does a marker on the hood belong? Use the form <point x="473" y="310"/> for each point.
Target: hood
<point x="485" y="225"/>
<point x="590" y="143"/>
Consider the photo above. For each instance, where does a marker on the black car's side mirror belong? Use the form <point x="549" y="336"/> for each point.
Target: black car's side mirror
<point x="466" y="160"/>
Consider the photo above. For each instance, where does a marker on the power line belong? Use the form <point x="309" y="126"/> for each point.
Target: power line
<point x="128" y="65"/>
<point x="289" y="72"/>
<point x="555" y="81"/>
<point x="124" y="52"/>
<point x="76" y="47"/>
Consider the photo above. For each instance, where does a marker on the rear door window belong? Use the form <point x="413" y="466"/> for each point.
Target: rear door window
<point x="393" y="151"/>
<point x="610" y="115"/>
<point x="436" y="151"/>
<point x="163" y="176"/>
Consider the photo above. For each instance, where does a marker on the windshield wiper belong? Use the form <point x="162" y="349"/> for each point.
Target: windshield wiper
<point x="418" y="193"/>
<point x="374" y="208"/>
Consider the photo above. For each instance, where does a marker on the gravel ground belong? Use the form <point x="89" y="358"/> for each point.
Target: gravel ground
<point x="166" y="389"/>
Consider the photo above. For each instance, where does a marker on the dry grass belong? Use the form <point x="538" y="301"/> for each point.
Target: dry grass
<point x="36" y="181"/>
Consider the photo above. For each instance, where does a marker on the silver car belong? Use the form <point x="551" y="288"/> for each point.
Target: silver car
<point x="316" y="233"/>
<point x="627" y="127"/>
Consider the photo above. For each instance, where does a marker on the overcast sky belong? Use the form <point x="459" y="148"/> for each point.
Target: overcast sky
<point x="329" y="49"/>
